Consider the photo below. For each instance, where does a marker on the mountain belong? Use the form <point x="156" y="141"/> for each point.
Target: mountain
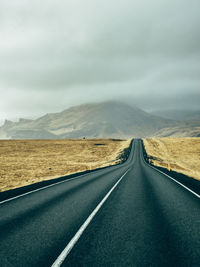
<point x="107" y="119"/>
<point x="188" y="123"/>
<point x="182" y="115"/>
<point x="179" y="131"/>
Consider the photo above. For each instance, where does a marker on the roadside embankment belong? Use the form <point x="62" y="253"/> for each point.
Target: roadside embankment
<point x="177" y="157"/>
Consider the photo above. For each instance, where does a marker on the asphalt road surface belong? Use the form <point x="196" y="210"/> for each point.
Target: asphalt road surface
<point x="126" y="215"/>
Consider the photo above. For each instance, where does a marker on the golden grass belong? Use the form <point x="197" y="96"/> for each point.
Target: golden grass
<point x="179" y="154"/>
<point x="24" y="162"/>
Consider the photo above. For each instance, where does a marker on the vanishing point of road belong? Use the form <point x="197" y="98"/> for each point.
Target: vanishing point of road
<point x="125" y="215"/>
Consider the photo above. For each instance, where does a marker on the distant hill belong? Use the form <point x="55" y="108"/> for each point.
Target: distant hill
<point x="182" y="115"/>
<point x="107" y="119"/>
<point x="179" y="131"/>
<point x="188" y="123"/>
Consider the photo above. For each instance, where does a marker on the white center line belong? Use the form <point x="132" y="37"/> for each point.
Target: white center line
<point x="78" y="234"/>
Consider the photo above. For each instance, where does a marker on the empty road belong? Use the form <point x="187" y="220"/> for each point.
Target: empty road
<point x="125" y="215"/>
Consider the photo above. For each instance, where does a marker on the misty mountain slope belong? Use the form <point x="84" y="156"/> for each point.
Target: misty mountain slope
<point x="182" y="115"/>
<point x="107" y="119"/>
<point x="179" y="131"/>
<point x="24" y="130"/>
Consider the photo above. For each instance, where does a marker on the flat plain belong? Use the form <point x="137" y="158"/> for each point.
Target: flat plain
<point x="24" y="162"/>
<point x="179" y="154"/>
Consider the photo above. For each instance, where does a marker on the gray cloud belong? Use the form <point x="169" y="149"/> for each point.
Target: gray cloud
<point x="57" y="54"/>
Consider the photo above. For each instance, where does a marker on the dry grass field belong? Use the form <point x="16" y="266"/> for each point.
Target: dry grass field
<point x="179" y="154"/>
<point x="24" y="162"/>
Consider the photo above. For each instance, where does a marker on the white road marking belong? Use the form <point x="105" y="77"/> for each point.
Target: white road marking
<point x="42" y="188"/>
<point x="39" y="189"/>
<point x="191" y="191"/>
<point x="78" y="234"/>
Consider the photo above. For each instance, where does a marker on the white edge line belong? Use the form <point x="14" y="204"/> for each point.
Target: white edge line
<point x="42" y="188"/>
<point x="78" y="234"/>
<point x="39" y="189"/>
<point x="191" y="191"/>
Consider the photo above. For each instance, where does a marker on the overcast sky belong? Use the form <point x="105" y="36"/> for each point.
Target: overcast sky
<point x="56" y="54"/>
